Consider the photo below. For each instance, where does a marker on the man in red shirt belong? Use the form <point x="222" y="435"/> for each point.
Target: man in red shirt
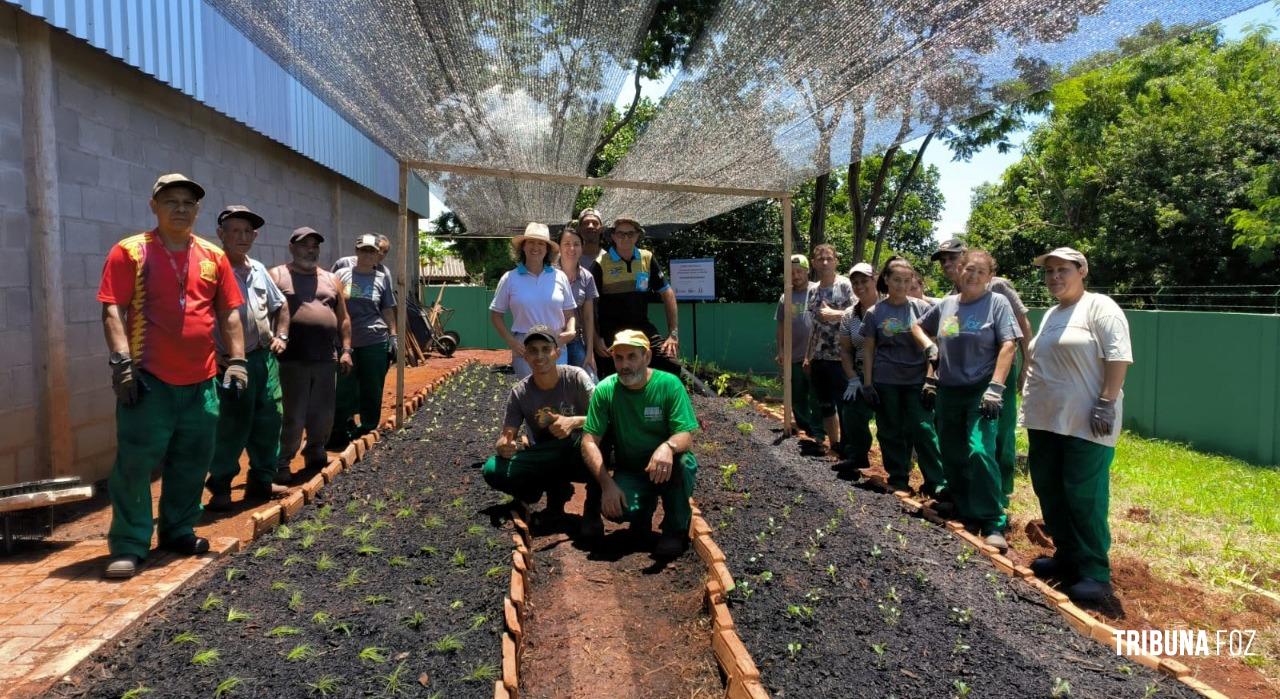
<point x="161" y="293"/>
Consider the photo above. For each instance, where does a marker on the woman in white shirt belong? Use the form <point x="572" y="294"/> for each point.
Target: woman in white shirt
<point x="535" y="293"/>
<point x="1072" y="408"/>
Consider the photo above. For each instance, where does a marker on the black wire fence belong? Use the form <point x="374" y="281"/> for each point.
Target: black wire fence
<point x="1233" y="298"/>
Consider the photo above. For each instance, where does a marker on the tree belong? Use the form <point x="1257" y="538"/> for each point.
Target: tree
<point x="1159" y="167"/>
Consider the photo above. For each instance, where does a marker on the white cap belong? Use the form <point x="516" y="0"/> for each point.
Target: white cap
<point x="862" y="268"/>
<point x="1068" y="254"/>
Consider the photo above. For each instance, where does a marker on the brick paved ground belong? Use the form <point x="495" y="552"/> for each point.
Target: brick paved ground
<point x="55" y="607"/>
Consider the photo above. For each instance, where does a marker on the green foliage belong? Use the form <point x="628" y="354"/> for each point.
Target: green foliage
<point x="323" y="686"/>
<point x="1177" y="143"/>
<point x="301" y="652"/>
<point x="226" y="687"/>
<point x="282" y="631"/>
<point x="206" y="657"/>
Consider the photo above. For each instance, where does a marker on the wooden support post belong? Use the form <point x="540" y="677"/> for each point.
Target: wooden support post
<point x="787" y="314"/>
<point x="49" y="325"/>
<point x="402" y="315"/>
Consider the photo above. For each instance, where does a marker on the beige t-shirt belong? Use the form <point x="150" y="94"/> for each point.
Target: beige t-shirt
<point x="1065" y="373"/>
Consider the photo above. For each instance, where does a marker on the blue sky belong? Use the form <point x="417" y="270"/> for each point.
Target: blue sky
<point x="959" y="178"/>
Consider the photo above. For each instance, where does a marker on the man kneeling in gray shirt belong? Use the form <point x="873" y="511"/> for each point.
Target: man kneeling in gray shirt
<point x="551" y="404"/>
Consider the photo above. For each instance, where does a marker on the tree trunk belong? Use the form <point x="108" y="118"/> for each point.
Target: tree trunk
<point x="818" y="220"/>
<point x="887" y="220"/>
<point x="862" y="224"/>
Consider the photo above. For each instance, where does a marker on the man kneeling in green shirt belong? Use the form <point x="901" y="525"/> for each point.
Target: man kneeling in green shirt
<point x="551" y="404"/>
<point x="646" y="415"/>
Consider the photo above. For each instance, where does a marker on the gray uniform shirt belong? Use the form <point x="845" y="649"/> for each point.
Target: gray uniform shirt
<point x="899" y="361"/>
<point x="584" y="290"/>
<point x="536" y="409"/>
<point x="969" y="336"/>
<point x="801" y="324"/>
<point x="367" y="296"/>
<point x="261" y="298"/>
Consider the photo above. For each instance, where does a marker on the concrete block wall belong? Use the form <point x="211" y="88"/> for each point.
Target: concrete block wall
<point x="117" y="130"/>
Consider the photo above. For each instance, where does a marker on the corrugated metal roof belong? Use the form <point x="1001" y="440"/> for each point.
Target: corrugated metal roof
<point x="453" y="268"/>
<point x="189" y="46"/>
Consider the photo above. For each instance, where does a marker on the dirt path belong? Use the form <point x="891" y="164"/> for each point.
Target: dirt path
<point x="611" y="623"/>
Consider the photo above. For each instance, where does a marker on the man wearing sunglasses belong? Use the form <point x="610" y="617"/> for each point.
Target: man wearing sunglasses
<point x="626" y="277"/>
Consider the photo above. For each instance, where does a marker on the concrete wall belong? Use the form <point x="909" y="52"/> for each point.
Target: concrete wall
<point x="117" y="129"/>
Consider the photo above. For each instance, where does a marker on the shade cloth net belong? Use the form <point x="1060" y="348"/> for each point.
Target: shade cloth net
<point x="512" y="84"/>
<point x="774" y="93"/>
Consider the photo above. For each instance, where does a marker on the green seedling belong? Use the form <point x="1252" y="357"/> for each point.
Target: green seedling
<point x="793" y="649"/>
<point x="456" y="604"/>
<point x="962" y="689"/>
<point x="1061" y="688"/>
<point x="484" y="672"/>
<point x="373" y="654"/>
<point x="206" y="657"/>
<point x="457" y="503"/>
<point x="210" y="602"/>
<point x="495" y="571"/>
<point x="1124" y="669"/>
<point x="307" y="541"/>
<point x="376" y="599"/>
<point x="341" y="627"/>
<point x="428" y="550"/>
<point x="889" y="613"/>
<point x="960" y="648"/>
<point x="279" y="586"/>
<point x="284" y="532"/>
<point x="324" y="562"/>
<point x="963" y="557"/>
<point x="282" y="631"/>
<point x="397" y="561"/>
<point x="415" y="621"/>
<point x="892" y="594"/>
<point x="800" y="611"/>
<point x="746" y="428"/>
<point x="263" y="551"/>
<point x="368" y="550"/>
<point x="226" y="687"/>
<point x="963" y="617"/>
<point x="831" y="571"/>
<point x="294" y="559"/>
<point x="433" y="522"/>
<point x="448" y="643"/>
<point x="321" y="618"/>
<point x="397" y="496"/>
<point x="744" y="588"/>
<point x="393" y="684"/>
<point x="354" y="577"/>
<point x="1000" y="595"/>
<point x="232" y="574"/>
<point x="379" y="505"/>
<point x="875" y="551"/>
<point x="185" y="637"/>
<point x="137" y="692"/>
<point x="739" y="403"/>
<point x="477" y="530"/>
<point x="477" y="621"/>
<point x="428" y="580"/>
<point x="295" y="601"/>
<point x="323" y="686"/>
<point x="878" y="649"/>
<point x="234" y="614"/>
<point x="765" y="576"/>
<point x="404" y="512"/>
<point x="459" y="559"/>
<point x="1150" y="691"/>
<point x="300" y="653"/>
<point x="727" y="472"/>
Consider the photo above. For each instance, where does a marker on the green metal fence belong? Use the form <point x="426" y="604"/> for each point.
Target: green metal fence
<point x="1208" y="379"/>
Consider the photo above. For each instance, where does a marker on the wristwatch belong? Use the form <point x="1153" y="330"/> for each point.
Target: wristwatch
<point x="118" y="358"/>
<point x="674" y="334"/>
<point x="672" y="446"/>
<point x="283" y="338"/>
<point x="347" y="350"/>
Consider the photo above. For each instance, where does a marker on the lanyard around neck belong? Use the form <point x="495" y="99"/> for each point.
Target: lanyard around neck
<point x="180" y="271"/>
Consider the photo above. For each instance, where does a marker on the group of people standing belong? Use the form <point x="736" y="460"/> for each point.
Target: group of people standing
<point x="941" y="377"/>
<point x="580" y="316"/>
<point x="213" y="355"/>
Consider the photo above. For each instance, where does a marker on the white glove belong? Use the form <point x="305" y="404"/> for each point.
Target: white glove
<point x="851" y="391"/>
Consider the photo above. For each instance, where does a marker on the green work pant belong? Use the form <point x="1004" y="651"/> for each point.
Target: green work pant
<point x="903" y="425"/>
<point x="968" y="445"/>
<point x="360" y="391"/>
<point x="1007" y="433"/>
<point x="855" y="430"/>
<point x="1072" y="480"/>
<point x="804" y="405"/>
<point x="642" y="496"/>
<point x="170" y="427"/>
<point x="550" y="466"/>
<point x="250" y="422"/>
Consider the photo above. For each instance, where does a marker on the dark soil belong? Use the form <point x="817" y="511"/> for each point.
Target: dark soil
<point x="420" y="557"/>
<point x="840" y="593"/>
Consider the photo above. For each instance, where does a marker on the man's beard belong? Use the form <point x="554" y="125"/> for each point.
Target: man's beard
<point x="631" y="379"/>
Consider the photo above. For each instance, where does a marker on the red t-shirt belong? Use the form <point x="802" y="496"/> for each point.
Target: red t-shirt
<point x="170" y="331"/>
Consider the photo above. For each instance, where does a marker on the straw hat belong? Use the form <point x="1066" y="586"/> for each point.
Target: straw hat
<point x="535" y="231"/>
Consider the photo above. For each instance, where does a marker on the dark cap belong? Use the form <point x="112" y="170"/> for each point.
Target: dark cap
<point x="299" y="234"/>
<point x="175" y="179"/>
<point x="367" y="241"/>
<point x="240" y="211"/>
<point x="948" y="246"/>
<point x="540" y="332"/>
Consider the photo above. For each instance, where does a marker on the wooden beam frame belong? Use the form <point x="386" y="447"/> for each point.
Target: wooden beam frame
<point x="402" y="284"/>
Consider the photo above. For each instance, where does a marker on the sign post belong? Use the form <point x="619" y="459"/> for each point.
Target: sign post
<point x="694" y="279"/>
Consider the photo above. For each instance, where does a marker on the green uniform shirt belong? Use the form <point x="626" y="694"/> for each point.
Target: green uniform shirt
<point x="642" y="419"/>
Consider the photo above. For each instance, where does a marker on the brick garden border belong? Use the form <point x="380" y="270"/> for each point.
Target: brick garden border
<point x="515" y="605"/>
<point x="1078" y="619"/>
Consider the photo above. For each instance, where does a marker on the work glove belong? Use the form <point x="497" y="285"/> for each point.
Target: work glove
<point x="992" y="401"/>
<point x="1102" y="419"/>
<point x="124" y="382"/>
<point x="851" y="390"/>
<point x="871" y="396"/>
<point x="929" y="394"/>
<point x="236" y="377"/>
<point x="931" y="354"/>
<point x="391" y="350"/>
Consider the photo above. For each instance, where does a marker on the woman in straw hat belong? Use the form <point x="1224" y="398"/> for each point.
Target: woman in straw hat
<point x="535" y="293"/>
<point x="1072" y="407"/>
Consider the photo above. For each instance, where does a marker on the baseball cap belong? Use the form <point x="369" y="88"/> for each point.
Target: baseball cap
<point x="301" y="233"/>
<point x="800" y="261"/>
<point x="630" y="220"/>
<point x="368" y="240"/>
<point x="862" y="268"/>
<point x="174" y="179"/>
<point x="1068" y="254"/>
<point x="591" y="212"/>
<point x="948" y="246"/>
<point x="630" y="338"/>
<point x="540" y="332"/>
<point x="241" y="211"/>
